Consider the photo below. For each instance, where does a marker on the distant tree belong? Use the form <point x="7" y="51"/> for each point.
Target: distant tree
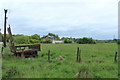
<point x="118" y="41"/>
<point x="115" y="40"/>
<point x="46" y="41"/>
<point x="34" y="41"/>
<point x="100" y="41"/>
<point x="21" y="39"/>
<point x="64" y="38"/>
<point x="18" y="35"/>
<point x="35" y="36"/>
<point x="80" y="41"/>
<point x="7" y="37"/>
<point x="86" y="40"/>
<point x="51" y="34"/>
<point x="67" y="41"/>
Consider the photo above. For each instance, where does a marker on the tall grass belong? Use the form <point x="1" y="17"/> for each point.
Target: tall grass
<point x="97" y="62"/>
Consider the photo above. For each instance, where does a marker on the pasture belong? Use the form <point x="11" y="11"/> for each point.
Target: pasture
<point x="97" y="62"/>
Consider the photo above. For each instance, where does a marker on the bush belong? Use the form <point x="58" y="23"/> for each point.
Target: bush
<point x="11" y="73"/>
<point x="21" y="39"/>
<point x="35" y="36"/>
<point x="51" y="34"/>
<point x="34" y="41"/>
<point x="67" y="41"/>
<point x="118" y="41"/>
<point x="46" y="41"/>
<point x="86" y="41"/>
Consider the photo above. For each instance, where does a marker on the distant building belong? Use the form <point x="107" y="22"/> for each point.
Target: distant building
<point x="72" y="39"/>
<point x="58" y="41"/>
<point x="49" y="37"/>
<point x="53" y="38"/>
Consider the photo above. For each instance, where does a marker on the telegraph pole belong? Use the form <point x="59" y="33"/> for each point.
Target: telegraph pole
<point x="5" y="21"/>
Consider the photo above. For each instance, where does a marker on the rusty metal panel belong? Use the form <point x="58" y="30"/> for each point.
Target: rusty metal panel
<point x="31" y="51"/>
<point x="35" y="46"/>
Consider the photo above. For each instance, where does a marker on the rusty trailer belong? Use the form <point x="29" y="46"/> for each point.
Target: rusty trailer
<point x="23" y="50"/>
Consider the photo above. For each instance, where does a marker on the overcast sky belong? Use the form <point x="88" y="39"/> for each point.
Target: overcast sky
<point x="67" y="18"/>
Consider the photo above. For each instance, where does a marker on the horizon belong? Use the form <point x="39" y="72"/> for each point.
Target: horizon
<point x="65" y="36"/>
<point x="78" y="18"/>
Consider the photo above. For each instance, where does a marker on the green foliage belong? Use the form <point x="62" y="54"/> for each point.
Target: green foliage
<point x="118" y="41"/>
<point x="68" y="68"/>
<point x="107" y="41"/>
<point x="34" y="41"/>
<point x="11" y="72"/>
<point x="21" y="39"/>
<point x="64" y="38"/>
<point x="85" y="40"/>
<point x="115" y="40"/>
<point x="46" y="41"/>
<point x="67" y="41"/>
<point x="35" y="36"/>
<point x="101" y="41"/>
<point x="51" y="34"/>
<point x="7" y="37"/>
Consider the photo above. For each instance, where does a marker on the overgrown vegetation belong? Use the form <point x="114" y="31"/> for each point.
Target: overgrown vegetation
<point x="51" y="34"/>
<point x="67" y="41"/>
<point x="97" y="62"/>
<point x="46" y="41"/>
<point x="24" y="39"/>
<point x="21" y="39"/>
<point x="86" y="40"/>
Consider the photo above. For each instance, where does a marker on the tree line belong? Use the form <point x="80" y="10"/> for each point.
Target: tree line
<point x="25" y="39"/>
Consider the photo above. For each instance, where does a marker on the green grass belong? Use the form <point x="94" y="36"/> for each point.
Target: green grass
<point x="101" y="65"/>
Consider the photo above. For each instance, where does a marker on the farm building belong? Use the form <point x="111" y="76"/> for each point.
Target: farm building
<point x="57" y="41"/>
<point x="49" y="37"/>
<point x="53" y="38"/>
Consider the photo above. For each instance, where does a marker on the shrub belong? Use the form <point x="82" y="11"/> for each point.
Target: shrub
<point x="35" y="36"/>
<point x="67" y="41"/>
<point x="51" y="34"/>
<point x="21" y="39"/>
<point x="11" y="73"/>
<point x="118" y="41"/>
<point x="46" y="41"/>
<point x="34" y="41"/>
<point x="86" y="41"/>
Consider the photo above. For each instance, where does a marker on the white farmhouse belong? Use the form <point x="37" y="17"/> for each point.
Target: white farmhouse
<point x="57" y="41"/>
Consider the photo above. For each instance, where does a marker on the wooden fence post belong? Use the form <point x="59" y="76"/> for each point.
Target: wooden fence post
<point x="78" y="59"/>
<point x="49" y="55"/>
<point x="115" y="58"/>
<point x="77" y="54"/>
<point x="2" y="50"/>
<point x="5" y="22"/>
<point x="22" y="54"/>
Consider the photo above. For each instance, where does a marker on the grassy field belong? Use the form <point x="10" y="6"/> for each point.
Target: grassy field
<point x="97" y="62"/>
